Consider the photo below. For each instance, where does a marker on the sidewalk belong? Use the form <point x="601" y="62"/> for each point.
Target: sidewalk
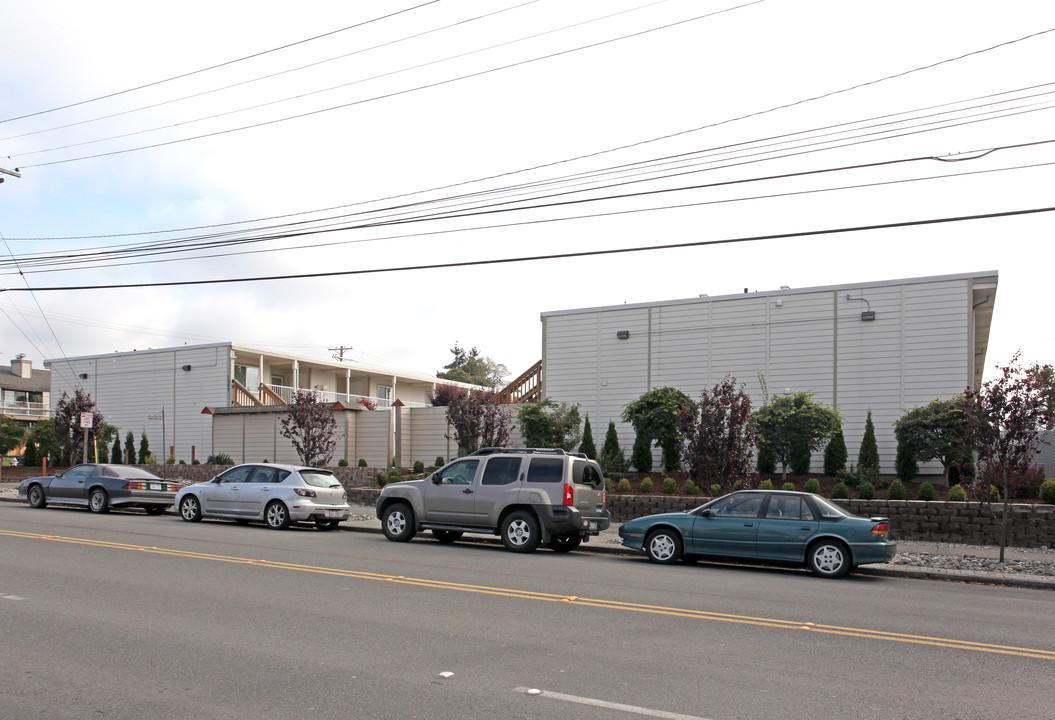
<point x="921" y="560"/>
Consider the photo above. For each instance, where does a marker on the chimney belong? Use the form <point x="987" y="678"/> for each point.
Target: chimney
<point x="21" y="367"/>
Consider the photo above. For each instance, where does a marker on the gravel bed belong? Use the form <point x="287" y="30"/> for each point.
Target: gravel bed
<point x="1026" y="566"/>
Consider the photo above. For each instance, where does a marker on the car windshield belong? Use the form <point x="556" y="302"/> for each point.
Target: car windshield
<point x="319" y="478"/>
<point x="828" y="509"/>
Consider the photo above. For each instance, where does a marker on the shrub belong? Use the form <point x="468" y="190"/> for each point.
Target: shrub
<point x="669" y="486"/>
<point x="767" y="460"/>
<point x="840" y="491"/>
<point x="866" y="491"/>
<point x="926" y="491"/>
<point x="691" y="488"/>
<point x="342" y="463"/>
<point x="788" y="486"/>
<point x="766" y="484"/>
<point x="393" y="463"/>
<point x="800" y="460"/>
<point x="362" y="462"/>
<point x="1047" y="491"/>
<point x="393" y="475"/>
<point x="623" y="486"/>
<point x="716" y="489"/>
<point x="182" y="462"/>
<point x="896" y="491"/>
<point x="813" y="485"/>
<point x="419" y="467"/>
<point x="994" y="494"/>
<point x="219" y="459"/>
<point x="411" y="476"/>
<point x="646" y="485"/>
<point x="382" y="479"/>
<point x="608" y="485"/>
<point x="957" y="493"/>
<point x="439" y="461"/>
<point x="195" y="461"/>
<point x="835" y="454"/>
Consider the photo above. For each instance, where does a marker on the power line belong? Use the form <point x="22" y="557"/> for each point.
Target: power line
<point x="532" y="258"/>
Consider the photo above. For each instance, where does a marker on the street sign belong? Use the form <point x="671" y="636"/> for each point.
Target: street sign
<point x="86" y="420"/>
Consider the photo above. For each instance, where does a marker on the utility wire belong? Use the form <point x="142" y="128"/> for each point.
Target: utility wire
<point x="532" y="258"/>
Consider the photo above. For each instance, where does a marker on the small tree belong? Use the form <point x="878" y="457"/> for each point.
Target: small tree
<point x="475" y="420"/>
<point x="905" y="464"/>
<point x="548" y="425"/>
<point x="144" y="449"/>
<point x="935" y="431"/>
<point x="68" y="423"/>
<point x="45" y="443"/>
<point x="792" y="422"/>
<point x="835" y="455"/>
<point x="718" y="435"/>
<point x="115" y="453"/>
<point x="130" y="447"/>
<point x="868" y="455"/>
<point x="311" y="427"/>
<point x="612" y="459"/>
<point x="12" y="435"/>
<point x="655" y="416"/>
<point x="587" y="447"/>
<point x="641" y="455"/>
<point x="1006" y="417"/>
<point x="444" y="394"/>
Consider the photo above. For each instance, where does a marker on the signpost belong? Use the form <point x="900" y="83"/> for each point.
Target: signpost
<point x="164" y="461"/>
<point x="86" y="423"/>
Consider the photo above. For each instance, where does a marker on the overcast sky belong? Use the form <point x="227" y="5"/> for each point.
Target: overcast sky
<point x="273" y="127"/>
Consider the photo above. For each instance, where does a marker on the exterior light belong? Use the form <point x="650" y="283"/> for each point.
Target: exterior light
<point x="623" y="334"/>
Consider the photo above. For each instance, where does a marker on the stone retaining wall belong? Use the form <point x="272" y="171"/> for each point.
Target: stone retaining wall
<point x="1031" y="526"/>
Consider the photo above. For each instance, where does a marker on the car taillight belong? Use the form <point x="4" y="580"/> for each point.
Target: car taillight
<point x="568" y="499"/>
<point x="135" y="486"/>
<point x="305" y="492"/>
<point x="881" y="529"/>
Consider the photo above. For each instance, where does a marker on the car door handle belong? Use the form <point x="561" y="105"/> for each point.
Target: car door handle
<point x="749" y="524"/>
<point x="467" y="491"/>
<point x="807" y="529"/>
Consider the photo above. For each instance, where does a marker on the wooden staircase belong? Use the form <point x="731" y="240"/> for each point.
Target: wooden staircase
<point x="525" y="389"/>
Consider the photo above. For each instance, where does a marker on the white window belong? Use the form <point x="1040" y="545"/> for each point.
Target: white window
<point x="385" y="393"/>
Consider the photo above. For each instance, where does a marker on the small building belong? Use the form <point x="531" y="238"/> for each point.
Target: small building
<point x="163" y="392"/>
<point x="881" y="346"/>
<point x="25" y="393"/>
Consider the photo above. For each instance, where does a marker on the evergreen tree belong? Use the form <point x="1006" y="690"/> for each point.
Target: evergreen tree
<point x="641" y="457"/>
<point x="800" y="460"/>
<point x="115" y="454"/>
<point x="868" y="457"/>
<point x="835" y="455"/>
<point x="612" y="458"/>
<point x="130" y="448"/>
<point x="905" y="464"/>
<point x="767" y="460"/>
<point x="144" y="449"/>
<point x="588" y="447"/>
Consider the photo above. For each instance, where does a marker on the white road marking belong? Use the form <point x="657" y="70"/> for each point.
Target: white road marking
<point x="607" y="705"/>
<point x="5" y="596"/>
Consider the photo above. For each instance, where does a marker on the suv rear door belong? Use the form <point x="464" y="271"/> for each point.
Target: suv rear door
<point x="498" y="488"/>
<point x="587" y="488"/>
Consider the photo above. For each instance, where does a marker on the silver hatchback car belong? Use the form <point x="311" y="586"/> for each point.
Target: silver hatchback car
<point x="279" y="495"/>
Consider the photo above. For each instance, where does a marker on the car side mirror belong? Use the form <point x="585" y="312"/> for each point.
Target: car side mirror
<point x="706" y="512"/>
<point x="436" y="479"/>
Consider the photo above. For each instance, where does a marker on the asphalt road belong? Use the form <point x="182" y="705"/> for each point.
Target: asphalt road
<point x="129" y="616"/>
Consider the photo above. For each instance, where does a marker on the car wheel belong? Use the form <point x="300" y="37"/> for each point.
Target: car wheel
<point x="663" y="546"/>
<point x="155" y="509"/>
<point x="276" y="515"/>
<point x="565" y="543"/>
<point x="37" y="498"/>
<point x="520" y="532"/>
<point x="190" y="509"/>
<point x="398" y="522"/>
<point x="447" y="536"/>
<point x="829" y="559"/>
<point x="324" y="524"/>
<point x="98" y="502"/>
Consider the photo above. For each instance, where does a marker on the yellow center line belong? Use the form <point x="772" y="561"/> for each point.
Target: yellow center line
<point x="799" y="625"/>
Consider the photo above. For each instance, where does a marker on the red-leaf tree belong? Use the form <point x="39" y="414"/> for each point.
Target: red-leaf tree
<point x="68" y="422"/>
<point x="476" y="421"/>
<point x="311" y="427"/>
<point x="719" y="431"/>
<point x="1006" y="417"/>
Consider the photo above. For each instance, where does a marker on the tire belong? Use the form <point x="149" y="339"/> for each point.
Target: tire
<point x="663" y="546"/>
<point x="447" y="536"/>
<point x="190" y="509"/>
<point x="565" y="543"/>
<point x="276" y="515"/>
<point x="520" y="532"/>
<point x="37" y="498"/>
<point x="829" y="559"/>
<point x="155" y="509"/>
<point x="398" y="522"/>
<point x="325" y="524"/>
<point x="98" y="502"/>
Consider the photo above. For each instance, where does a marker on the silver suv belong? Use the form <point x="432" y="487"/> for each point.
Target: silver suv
<point x="528" y="496"/>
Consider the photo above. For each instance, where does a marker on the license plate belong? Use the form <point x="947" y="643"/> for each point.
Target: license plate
<point x="592" y="525"/>
<point x="334" y="513"/>
<point x="155" y="486"/>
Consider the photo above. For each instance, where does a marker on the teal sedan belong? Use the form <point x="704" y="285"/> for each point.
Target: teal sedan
<point x="775" y="525"/>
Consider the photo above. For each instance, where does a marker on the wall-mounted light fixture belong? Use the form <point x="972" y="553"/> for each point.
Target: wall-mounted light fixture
<point x="185" y="368"/>
<point x="83" y="376"/>
<point x="623" y="334"/>
<point x="868" y="314"/>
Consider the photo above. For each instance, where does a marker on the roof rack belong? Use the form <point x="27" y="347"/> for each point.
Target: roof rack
<point x="529" y="451"/>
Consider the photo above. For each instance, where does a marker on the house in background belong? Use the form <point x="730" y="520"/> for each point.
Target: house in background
<point x="25" y="393"/>
<point x="163" y="392"/>
<point x="880" y="346"/>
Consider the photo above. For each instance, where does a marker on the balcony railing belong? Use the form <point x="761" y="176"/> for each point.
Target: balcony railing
<point x="283" y="395"/>
<point x="26" y="409"/>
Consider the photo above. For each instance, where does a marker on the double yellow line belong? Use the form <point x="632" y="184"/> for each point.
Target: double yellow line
<point x="794" y="625"/>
